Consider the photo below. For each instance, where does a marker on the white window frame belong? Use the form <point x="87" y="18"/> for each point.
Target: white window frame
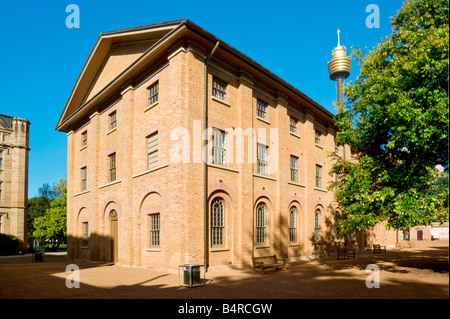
<point x="261" y="109"/>
<point x="318" y="138"/>
<point x="317" y="225"/>
<point x="154" y="221"/>
<point x="261" y="224"/>
<point x="318" y="176"/>
<point x="152" y="150"/>
<point x="219" y="89"/>
<point x="294" y="168"/>
<point x="153" y="93"/>
<point x="217" y="223"/>
<point x="219" y="146"/>
<point x="112" y="167"/>
<point x="293" y="125"/>
<point x="113" y="120"/>
<point x="85" y="233"/>
<point x="84" y="178"/>
<point x="262" y="156"/>
<point x="293" y="225"/>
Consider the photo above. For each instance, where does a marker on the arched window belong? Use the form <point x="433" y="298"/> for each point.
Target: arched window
<point x="293" y="224"/>
<point x="317" y="225"/>
<point x="261" y="223"/>
<point x="217" y="223"/>
<point x="113" y="215"/>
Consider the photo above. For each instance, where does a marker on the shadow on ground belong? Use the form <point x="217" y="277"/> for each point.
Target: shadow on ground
<point x="406" y="274"/>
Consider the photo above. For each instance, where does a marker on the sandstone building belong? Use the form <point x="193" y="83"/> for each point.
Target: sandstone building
<point x="138" y="190"/>
<point x="14" y="149"/>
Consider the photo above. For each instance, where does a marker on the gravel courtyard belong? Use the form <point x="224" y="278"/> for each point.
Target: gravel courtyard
<point x="421" y="272"/>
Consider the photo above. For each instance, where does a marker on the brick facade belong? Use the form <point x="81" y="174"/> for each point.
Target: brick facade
<point x="175" y="188"/>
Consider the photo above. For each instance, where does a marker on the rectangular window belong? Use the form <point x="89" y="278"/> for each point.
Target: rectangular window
<point x="84" y="138"/>
<point x="155" y="230"/>
<point x="261" y="109"/>
<point x="113" y="120"/>
<point x="85" y="229"/>
<point x="153" y="93"/>
<point x="293" y="125"/>
<point x="83" y="178"/>
<point x="112" y="167"/>
<point x="294" y="169"/>
<point x="1" y="159"/>
<point x="262" y="159"/>
<point x="318" y="138"/>
<point x="318" y="176"/>
<point x="152" y="150"/>
<point x="218" y="146"/>
<point x="1" y="183"/>
<point x="219" y="89"/>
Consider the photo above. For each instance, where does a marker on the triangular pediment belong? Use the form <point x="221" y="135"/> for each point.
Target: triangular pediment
<point x="113" y="53"/>
<point x="119" y="58"/>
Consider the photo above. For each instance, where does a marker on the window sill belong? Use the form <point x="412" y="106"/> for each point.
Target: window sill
<point x="319" y="146"/>
<point x="81" y="193"/>
<point x="261" y="246"/>
<point x="109" y="184"/>
<point x="215" y="249"/>
<point x="153" y="249"/>
<point x="294" y="134"/>
<point x="294" y="245"/>
<point x="84" y="147"/>
<point x="296" y="184"/>
<point x="262" y="120"/>
<point x="220" y="101"/>
<point x="151" y="106"/>
<point x="220" y="166"/>
<point x="150" y="170"/>
<point x="111" y="130"/>
<point x="265" y="176"/>
<point x="320" y="189"/>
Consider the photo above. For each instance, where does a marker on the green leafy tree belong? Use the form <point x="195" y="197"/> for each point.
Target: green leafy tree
<point x="53" y="225"/>
<point x="395" y="120"/>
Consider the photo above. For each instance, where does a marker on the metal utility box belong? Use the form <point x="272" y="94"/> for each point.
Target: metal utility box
<point x="191" y="275"/>
<point x="38" y="256"/>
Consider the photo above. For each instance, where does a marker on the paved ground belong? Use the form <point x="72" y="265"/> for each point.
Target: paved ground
<point x="421" y="272"/>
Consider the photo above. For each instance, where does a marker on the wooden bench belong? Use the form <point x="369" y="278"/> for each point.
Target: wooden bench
<point x="377" y="249"/>
<point x="410" y="245"/>
<point x="345" y="252"/>
<point x="264" y="262"/>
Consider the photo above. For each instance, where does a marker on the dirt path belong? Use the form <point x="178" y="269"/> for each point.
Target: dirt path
<point x="411" y="273"/>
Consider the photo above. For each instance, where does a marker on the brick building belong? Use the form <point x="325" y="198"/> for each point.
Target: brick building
<point x="138" y="190"/>
<point x="14" y="149"/>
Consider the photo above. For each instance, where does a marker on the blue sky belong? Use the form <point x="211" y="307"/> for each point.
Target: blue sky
<point x="41" y="58"/>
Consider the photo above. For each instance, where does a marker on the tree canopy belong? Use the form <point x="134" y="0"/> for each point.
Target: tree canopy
<point x="47" y="213"/>
<point x="395" y="119"/>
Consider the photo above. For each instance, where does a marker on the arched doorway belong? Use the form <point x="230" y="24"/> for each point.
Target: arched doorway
<point x="114" y="236"/>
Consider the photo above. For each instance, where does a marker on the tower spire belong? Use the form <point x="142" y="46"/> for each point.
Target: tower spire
<point x="339" y="67"/>
<point x="339" y="42"/>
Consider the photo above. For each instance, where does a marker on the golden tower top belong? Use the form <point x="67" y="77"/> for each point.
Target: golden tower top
<point x="339" y="66"/>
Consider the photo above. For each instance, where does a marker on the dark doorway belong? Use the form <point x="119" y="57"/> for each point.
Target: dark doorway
<point x="420" y="234"/>
<point x="114" y="235"/>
